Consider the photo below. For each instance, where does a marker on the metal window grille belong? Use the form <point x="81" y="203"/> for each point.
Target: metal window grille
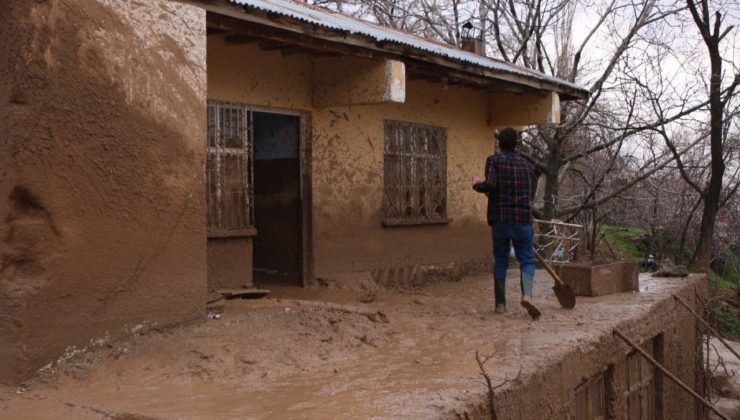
<point x="641" y="385"/>
<point x="415" y="174"/>
<point x="590" y="399"/>
<point x="229" y="170"/>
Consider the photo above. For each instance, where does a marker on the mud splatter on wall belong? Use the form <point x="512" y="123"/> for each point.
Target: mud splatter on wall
<point x="102" y="110"/>
<point x="347" y="161"/>
<point x="348" y="183"/>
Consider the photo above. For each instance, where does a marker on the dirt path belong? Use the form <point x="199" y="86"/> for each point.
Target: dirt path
<point x="321" y="353"/>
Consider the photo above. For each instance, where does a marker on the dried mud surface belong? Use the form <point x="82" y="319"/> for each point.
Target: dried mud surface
<point x="323" y="353"/>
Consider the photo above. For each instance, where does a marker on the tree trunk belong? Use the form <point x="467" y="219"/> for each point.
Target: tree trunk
<point x="683" y="255"/>
<point x="482" y="12"/>
<point x="552" y="182"/>
<point x="712" y="195"/>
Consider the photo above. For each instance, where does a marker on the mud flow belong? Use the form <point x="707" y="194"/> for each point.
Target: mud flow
<point x="323" y="353"/>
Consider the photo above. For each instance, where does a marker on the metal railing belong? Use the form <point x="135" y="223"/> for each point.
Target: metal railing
<point x="557" y="241"/>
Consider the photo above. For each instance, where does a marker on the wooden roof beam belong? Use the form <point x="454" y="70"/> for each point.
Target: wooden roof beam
<point x="239" y="39"/>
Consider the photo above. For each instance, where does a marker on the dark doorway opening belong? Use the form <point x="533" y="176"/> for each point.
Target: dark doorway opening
<point x="277" y="198"/>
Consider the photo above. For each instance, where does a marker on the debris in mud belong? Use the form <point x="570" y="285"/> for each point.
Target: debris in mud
<point x="329" y="353"/>
<point x="669" y="269"/>
<point x="247" y="360"/>
<point x="413" y="277"/>
<point x="379" y="316"/>
<point x="214" y="297"/>
<point x="368" y="297"/>
<point x="322" y="282"/>
<point x="215" y="305"/>
<point x="243" y="293"/>
<point x="367" y="340"/>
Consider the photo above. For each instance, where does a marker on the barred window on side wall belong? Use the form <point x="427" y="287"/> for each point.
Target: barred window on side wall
<point x="591" y="399"/>
<point x="644" y="392"/>
<point x="415" y="174"/>
<point x="229" y="171"/>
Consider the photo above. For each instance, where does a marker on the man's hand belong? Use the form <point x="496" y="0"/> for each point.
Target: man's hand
<point x="477" y="181"/>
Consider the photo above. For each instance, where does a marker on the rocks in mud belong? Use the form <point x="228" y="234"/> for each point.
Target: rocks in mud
<point x="214" y="305"/>
<point x="368" y="297"/>
<point x="247" y="359"/>
<point x="365" y="339"/>
<point x="669" y="269"/>
<point x="129" y="416"/>
<point x="379" y="316"/>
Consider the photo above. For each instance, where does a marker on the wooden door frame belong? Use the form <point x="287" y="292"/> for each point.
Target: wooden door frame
<point x="306" y="269"/>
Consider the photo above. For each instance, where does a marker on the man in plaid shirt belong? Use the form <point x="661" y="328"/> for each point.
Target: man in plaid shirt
<point x="508" y="185"/>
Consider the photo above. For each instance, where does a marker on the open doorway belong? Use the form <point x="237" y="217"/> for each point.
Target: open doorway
<point x="277" y="249"/>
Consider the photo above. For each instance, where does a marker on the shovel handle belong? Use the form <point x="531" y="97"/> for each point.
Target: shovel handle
<point x="548" y="268"/>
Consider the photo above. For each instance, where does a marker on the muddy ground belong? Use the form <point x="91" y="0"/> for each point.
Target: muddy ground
<point x="324" y="353"/>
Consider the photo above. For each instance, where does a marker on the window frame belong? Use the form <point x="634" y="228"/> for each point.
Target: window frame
<point x="645" y="385"/>
<point x="585" y="390"/>
<point x="411" y="158"/>
<point x="216" y="150"/>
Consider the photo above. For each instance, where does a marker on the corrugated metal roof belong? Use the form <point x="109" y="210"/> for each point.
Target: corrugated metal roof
<point x="337" y="21"/>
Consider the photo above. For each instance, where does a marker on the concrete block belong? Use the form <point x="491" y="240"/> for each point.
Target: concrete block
<point x="598" y="279"/>
<point x="357" y="81"/>
<point x="508" y="109"/>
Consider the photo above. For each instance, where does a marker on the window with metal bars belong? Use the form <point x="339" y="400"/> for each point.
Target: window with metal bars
<point x="590" y="399"/>
<point x="415" y="174"/>
<point x="641" y="384"/>
<point x="229" y="170"/>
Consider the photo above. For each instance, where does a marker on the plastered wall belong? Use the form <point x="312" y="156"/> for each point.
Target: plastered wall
<point x="229" y="263"/>
<point x="348" y="183"/>
<point x="102" y="225"/>
<point x="347" y="161"/>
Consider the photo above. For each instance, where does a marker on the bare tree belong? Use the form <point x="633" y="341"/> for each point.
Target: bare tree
<point x="538" y="34"/>
<point x="712" y="33"/>
<point x="637" y="121"/>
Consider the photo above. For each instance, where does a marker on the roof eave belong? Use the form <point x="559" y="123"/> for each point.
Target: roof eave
<point x="398" y="51"/>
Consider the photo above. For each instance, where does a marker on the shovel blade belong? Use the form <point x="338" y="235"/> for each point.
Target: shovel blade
<point x="565" y="295"/>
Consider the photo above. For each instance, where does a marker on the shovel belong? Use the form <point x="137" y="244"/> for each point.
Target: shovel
<point x="564" y="292"/>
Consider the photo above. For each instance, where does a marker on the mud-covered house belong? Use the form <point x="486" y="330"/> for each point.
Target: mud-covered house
<point x="357" y="144"/>
<point x="153" y="151"/>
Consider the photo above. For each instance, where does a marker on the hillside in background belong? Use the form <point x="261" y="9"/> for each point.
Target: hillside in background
<point x="630" y="244"/>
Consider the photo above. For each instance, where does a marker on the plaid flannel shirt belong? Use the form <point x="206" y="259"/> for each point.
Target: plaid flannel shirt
<point x="508" y="184"/>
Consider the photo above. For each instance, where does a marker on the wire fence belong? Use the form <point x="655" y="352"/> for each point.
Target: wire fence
<point x="557" y="241"/>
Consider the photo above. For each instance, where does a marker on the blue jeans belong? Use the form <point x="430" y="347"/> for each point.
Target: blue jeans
<point x="522" y="237"/>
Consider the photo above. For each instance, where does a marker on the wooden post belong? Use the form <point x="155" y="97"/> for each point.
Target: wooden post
<point x="707" y="326"/>
<point x="669" y="375"/>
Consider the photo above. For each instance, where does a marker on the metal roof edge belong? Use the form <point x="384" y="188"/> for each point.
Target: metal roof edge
<point x="356" y="28"/>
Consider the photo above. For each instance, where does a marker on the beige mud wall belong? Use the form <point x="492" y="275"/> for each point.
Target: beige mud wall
<point x="347" y="163"/>
<point x="102" y="225"/>
<point x="348" y="185"/>
<point x="230" y="263"/>
<point x="242" y="74"/>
